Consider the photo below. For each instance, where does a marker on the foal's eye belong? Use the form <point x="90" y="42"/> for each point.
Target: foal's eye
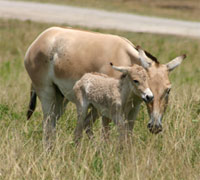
<point x="136" y="81"/>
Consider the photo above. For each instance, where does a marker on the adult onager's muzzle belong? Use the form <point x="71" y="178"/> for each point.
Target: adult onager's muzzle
<point x="155" y="129"/>
<point x="155" y="123"/>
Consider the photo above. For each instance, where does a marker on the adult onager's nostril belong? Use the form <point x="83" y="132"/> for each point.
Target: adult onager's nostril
<point x="159" y="127"/>
<point x="149" y="126"/>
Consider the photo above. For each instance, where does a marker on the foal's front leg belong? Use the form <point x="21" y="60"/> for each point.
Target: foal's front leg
<point x="131" y="112"/>
<point x="121" y="126"/>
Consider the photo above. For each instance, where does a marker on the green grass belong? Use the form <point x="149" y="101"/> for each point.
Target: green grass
<point x="173" y="154"/>
<point x="178" y="9"/>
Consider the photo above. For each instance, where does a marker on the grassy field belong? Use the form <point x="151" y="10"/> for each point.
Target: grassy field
<point x="173" y="154"/>
<point x="178" y="9"/>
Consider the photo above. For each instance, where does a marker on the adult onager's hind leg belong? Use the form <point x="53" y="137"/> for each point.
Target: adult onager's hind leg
<point x="53" y="106"/>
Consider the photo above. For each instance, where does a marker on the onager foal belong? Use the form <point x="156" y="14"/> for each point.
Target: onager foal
<point x="109" y="95"/>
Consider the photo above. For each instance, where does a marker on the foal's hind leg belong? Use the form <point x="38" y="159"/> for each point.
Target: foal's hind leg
<point x="82" y="109"/>
<point x="89" y="121"/>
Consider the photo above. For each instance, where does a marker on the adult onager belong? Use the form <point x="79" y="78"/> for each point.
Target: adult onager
<point x="60" y="56"/>
<point x="109" y="95"/>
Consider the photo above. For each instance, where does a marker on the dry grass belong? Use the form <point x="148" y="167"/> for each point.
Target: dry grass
<point x="173" y="154"/>
<point x="179" y="9"/>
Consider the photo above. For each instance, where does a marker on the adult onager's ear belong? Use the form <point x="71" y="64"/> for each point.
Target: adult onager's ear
<point x="175" y="62"/>
<point x="143" y="58"/>
<point x="122" y="69"/>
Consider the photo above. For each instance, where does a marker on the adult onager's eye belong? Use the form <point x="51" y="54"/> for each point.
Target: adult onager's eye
<point x="136" y="81"/>
<point x="168" y="90"/>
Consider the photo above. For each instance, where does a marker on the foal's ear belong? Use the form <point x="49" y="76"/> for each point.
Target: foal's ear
<point x="143" y="58"/>
<point x="122" y="69"/>
<point x="175" y="62"/>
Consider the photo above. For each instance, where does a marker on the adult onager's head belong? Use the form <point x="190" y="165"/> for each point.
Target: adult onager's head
<point x="160" y="86"/>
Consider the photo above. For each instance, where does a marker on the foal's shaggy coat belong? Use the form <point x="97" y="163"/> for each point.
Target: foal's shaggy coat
<point x="110" y="96"/>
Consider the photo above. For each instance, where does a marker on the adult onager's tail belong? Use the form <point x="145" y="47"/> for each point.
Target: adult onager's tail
<point x="32" y="103"/>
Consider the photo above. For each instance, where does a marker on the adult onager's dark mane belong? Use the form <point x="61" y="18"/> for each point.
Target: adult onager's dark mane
<point x="149" y="55"/>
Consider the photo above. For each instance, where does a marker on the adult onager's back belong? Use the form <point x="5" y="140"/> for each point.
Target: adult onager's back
<point x="109" y="95"/>
<point x="59" y="57"/>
